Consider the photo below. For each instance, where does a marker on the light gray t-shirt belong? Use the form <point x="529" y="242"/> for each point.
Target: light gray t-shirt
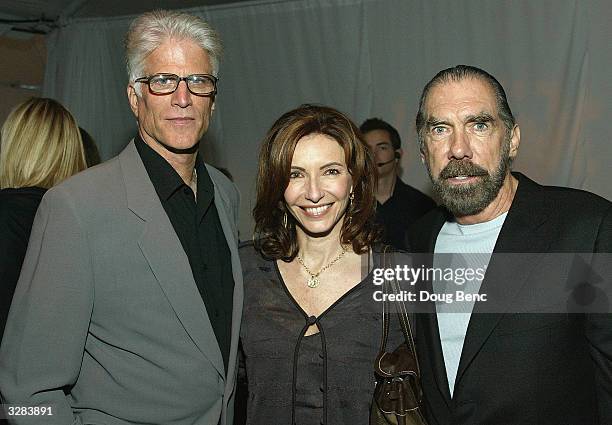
<point x="460" y="247"/>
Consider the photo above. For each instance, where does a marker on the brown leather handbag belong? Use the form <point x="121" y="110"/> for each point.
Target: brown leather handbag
<point x="398" y="393"/>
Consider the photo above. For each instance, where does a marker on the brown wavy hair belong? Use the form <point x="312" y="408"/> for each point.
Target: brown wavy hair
<point x="272" y="238"/>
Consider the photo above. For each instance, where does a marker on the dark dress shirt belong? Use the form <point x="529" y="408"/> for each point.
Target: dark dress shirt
<point x="17" y="210"/>
<point x="403" y="208"/>
<point x="198" y="228"/>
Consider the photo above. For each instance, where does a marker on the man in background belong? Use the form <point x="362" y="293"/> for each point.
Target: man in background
<point x="398" y="204"/>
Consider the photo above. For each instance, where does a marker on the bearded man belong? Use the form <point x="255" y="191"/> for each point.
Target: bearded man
<point x="520" y="357"/>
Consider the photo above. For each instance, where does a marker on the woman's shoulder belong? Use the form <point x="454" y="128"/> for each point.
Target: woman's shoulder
<point x="20" y="203"/>
<point x="389" y="256"/>
<point x="251" y="259"/>
<point x="17" y="196"/>
<point x="260" y="274"/>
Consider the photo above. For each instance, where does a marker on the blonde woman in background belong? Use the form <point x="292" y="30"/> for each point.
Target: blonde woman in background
<point x="40" y="146"/>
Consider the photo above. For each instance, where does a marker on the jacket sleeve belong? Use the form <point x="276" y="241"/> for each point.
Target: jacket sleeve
<point x="45" y="335"/>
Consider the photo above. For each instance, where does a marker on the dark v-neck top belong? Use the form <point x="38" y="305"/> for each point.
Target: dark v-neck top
<point x="333" y="367"/>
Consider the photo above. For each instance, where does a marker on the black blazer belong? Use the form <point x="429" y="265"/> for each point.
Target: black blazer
<point x="525" y="368"/>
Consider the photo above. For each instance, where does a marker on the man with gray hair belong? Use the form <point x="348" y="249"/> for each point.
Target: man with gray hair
<point x="515" y="351"/>
<point x="128" y="307"/>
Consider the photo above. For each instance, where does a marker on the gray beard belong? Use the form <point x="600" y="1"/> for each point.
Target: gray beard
<point x="470" y="199"/>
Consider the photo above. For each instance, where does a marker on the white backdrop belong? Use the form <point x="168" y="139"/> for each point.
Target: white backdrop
<point x="372" y="58"/>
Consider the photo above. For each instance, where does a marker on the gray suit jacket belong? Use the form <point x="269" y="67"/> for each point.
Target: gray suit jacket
<point x="107" y="325"/>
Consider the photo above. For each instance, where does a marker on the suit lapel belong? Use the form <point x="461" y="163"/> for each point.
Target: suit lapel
<point x="223" y="206"/>
<point x="524" y="230"/>
<point x="163" y="251"/>
<point x="422" y="245"/>
<point x="429" y="322"/>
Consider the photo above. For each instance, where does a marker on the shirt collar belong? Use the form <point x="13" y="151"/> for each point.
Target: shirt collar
<point x="165" y="179"/>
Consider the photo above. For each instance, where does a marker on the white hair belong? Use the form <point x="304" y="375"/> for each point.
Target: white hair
<point x="150" y="30"/>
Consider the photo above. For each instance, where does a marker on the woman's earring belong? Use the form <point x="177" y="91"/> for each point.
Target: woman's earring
<point x="351" y="197"/>
<point x="285" y="220"/>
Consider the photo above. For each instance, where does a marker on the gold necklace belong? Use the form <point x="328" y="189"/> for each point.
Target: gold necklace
<point x="314" y="281"/>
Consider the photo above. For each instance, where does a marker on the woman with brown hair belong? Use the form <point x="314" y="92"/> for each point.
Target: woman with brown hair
<point x="311" y="328"/>
<point x="40" y="147"/>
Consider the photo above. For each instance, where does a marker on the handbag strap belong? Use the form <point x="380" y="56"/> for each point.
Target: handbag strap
<point x="402" y="313"/>
<point x="385" y="315"/>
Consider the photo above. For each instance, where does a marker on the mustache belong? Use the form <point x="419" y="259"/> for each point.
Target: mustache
<point x="462" y="168"/>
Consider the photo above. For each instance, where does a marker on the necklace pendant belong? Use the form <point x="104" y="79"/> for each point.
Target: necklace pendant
<point x="313" y="282"/>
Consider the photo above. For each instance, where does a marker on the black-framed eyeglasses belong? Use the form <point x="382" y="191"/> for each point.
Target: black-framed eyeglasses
<point x="198" y="84"/>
